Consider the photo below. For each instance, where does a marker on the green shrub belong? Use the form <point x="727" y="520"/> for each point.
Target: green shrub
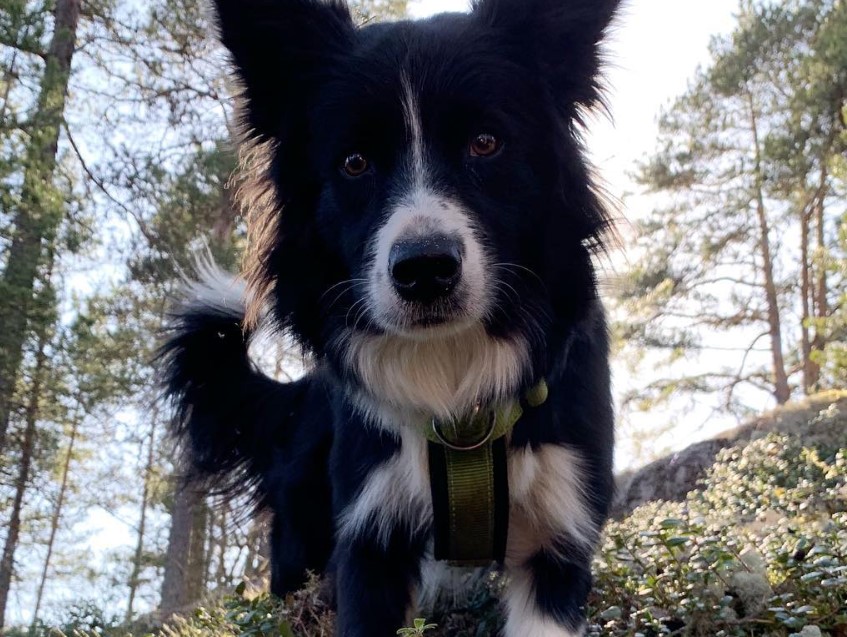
<point x="761" y="551"/>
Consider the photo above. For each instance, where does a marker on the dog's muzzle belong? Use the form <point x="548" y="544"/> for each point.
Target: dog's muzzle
<point x="426" y="269"/>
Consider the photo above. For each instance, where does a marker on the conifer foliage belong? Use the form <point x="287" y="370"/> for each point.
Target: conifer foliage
<point x="736" y="279"/>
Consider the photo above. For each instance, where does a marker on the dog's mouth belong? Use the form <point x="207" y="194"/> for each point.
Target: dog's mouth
<point x="418" y="321"/>
<point x="443" y="320"/>
<point x="431" y="321"/>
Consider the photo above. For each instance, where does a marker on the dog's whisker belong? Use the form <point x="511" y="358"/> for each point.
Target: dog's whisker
<point x="349" y="289"/>
<point x="340" y="283"/>
<point x="353" y="309"/>
<point x="363" y="311"/>
<point x="516" y="268"/>
<point x="503" y="284"/>
<point x="346" y="286"/>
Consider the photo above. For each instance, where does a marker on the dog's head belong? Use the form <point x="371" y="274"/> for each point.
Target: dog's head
<point x="420" y="182"/>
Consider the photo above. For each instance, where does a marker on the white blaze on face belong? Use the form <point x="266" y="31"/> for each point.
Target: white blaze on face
<point x="448" y="368"/>
<point x="419" y="212"/>
<point x="416" y="157"/>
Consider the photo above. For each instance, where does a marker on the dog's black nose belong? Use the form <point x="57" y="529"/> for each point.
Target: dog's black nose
<point x="426" y="268"/>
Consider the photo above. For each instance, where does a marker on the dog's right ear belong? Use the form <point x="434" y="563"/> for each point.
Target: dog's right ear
<point x="559" y="39"/>
<point x="280" y="50"/>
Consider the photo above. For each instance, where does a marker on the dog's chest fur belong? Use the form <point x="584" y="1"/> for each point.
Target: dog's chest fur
<point x="448" y="375"/>
<point x="405" y="381"/>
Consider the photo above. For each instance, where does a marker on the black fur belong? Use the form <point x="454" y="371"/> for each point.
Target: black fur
<point x="317" y="89"/>
<point x="245" y="433"/>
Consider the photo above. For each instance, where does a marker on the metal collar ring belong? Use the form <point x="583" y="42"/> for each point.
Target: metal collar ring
<point x="485" y="439"/>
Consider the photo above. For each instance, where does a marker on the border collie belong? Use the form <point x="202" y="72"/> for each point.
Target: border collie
<point x="422" y="222"/>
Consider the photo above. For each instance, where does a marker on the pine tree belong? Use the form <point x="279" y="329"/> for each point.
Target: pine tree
<point x="742" y="177"/>
<point x="43" y="309"/>
<point x="38" y="212"/>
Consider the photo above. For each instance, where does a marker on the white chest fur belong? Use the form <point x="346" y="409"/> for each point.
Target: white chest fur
<point x="445" y="376"/>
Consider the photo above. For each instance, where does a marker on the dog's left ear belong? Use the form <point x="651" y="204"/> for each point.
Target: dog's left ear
<point x="281" y="50"/>
<point x="559" y="38"/>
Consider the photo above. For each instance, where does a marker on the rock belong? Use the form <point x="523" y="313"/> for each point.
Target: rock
<point x="670" y="478"/>
<point x="819" y="418"/>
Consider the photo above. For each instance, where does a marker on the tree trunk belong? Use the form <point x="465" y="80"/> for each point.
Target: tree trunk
<point x="806" y="301"/>
<point x="57" y="513"/>
<point x="7" y="561"/>
<point x="224" y="225"/>
<point x="179" y="542"/>
<point x="821" y="303"/>
<point x="820" y="296"/>
<point x="135" y="576"/>
<point x="222" y="545"/>
<point x="782" y="391"/>
<point x="39" y="213"/>
<point x="197" y="555"/>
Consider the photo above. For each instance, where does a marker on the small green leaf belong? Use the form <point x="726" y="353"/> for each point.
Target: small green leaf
<point x="672" y="523"/>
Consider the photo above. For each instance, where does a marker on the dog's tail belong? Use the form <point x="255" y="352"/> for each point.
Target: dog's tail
<point x="227" y="414"/>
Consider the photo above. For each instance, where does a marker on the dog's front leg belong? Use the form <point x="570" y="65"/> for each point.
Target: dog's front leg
<point x="375" y="583"/>
<point x="547" y="595"/>
<point x="552" y="535"/>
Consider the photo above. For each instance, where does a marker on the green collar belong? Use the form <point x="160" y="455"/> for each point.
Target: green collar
<point x="469" y="482"/>
<point x="484" y="426"/>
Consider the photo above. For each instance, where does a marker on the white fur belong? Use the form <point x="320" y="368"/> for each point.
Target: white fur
<point x="445" y="376"/>
<point x="523" y="618"/>
<point x="548" y="499"/>
<point x="215" y="288"/>
<point x="422" y="212"/>
<point x="446" y="586"/>
<point x="414" y="130"/>
<point x="396" y="491"/>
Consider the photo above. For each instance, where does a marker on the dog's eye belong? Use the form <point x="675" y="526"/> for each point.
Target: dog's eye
<point x="356" y="165"/>
<point x="484" y="145"/>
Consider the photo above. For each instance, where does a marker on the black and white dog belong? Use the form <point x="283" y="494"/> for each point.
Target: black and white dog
<point x="423" y="223"/>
